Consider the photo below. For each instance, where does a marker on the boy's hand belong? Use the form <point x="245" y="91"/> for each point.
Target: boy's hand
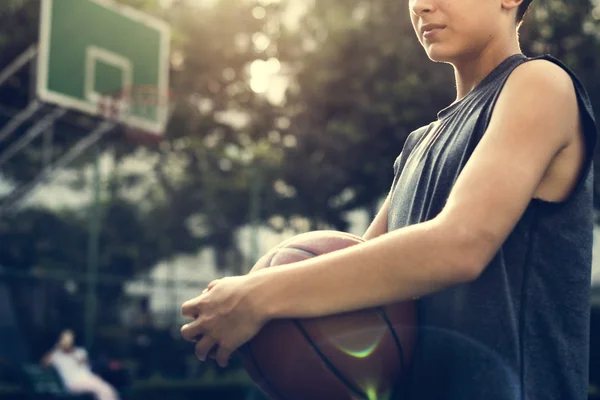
<point x="225" y="317"/>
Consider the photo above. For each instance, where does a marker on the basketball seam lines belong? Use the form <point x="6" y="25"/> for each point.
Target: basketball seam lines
<point x="394" y="335"/>
<point x="327" y="363"/>
<point x="295" y="248"/>
<point x="265" y="381"/>
<point x="259" y="370"/>
<point x="387" y="321"/>
<point x="347" y="235"/>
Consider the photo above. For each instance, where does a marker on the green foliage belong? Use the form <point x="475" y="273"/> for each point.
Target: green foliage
<point x="367" y="85"/>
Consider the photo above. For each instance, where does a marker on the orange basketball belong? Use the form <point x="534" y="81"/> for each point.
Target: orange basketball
<point x="363" y="354"/>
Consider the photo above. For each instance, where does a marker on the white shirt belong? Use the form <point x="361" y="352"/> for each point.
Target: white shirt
<point x="71" y="365"/>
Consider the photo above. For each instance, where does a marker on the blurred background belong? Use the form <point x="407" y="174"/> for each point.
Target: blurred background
<point x="268" y="118"/>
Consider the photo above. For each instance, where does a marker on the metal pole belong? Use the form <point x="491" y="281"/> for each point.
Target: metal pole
<point x="94" y="236"/>
<point x="47" y="150"/>
<point x="10" y="202"/>
<point x="32" y="133"/>
<point x="174" y="286"/>
<point x="255" y="200"/>
<point x="19" y="119"/>
<point x="19" y="62"/>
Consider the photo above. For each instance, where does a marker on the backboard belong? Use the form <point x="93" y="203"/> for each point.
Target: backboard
<point x="91" y="49"/>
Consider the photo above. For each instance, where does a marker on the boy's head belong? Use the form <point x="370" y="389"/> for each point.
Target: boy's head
<point x="466" y="28"/>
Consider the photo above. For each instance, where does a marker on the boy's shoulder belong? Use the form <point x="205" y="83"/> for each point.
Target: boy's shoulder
<point x="543" y="73"/>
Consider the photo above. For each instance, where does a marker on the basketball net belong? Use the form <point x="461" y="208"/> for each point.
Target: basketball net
<point x="119" y="106"/>
<point x="113" y="108"/>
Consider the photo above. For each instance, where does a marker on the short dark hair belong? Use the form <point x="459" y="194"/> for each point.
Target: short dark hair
<point x="522" y="10"/>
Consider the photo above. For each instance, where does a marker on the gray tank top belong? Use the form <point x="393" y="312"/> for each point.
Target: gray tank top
<point x="521" y="330"/>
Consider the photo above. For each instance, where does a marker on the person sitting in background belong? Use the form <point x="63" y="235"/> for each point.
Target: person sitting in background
<point x="73" y="367"/>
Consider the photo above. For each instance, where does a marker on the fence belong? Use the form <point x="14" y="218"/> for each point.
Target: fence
<point x="137" y="320"/>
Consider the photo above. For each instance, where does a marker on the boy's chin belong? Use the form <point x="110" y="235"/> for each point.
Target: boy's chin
<point x="438" y="57"/>
<point x="437" y="53"/>
<point x="442" y="60"/>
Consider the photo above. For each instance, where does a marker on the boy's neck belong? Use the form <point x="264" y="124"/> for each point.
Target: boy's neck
<point x="468" y="73"/>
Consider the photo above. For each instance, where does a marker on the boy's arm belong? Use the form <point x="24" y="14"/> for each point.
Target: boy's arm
<point x="526" y="132"/>
<point x="379" y="225"/>
<point x="377" y="228"/>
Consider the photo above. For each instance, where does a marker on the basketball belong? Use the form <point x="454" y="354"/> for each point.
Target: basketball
<point x="363" y="354"/>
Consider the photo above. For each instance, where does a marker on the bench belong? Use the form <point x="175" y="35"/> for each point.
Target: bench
<point x="43" y="383"/>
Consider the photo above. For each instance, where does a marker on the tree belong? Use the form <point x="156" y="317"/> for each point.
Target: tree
<point x="356" y="97"/>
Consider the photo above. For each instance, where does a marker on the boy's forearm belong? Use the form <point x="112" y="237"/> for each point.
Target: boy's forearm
<point x="379" y="226"/>
<point x="404" y="264"/>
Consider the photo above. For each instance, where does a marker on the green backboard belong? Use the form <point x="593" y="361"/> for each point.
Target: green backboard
<point x="90" y="50"/>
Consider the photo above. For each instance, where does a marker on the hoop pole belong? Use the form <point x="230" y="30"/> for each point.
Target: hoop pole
<point x="19" y="119"/>
<point x="92" y="270"/>
<point x="48" y="148"/>
<point x="32" y="133"/>
<point x="19" y="193"/>
<point x="18" y="63"/>
<point x="255" y="206"/>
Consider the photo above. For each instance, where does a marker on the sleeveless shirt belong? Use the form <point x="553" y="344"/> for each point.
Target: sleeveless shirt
<point x="521" y="330"/>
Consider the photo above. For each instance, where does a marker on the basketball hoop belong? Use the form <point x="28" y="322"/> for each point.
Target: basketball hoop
<point x="113" y="108"/>
<point x="129" y="105"/>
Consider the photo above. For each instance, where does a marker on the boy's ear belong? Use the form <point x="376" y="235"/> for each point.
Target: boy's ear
<point x="511" y="4"/>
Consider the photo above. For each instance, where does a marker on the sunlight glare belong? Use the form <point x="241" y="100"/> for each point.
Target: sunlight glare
<point x="259" y="12"/>
<point x="261" y="41"/>
<point x="261" y="72"/>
